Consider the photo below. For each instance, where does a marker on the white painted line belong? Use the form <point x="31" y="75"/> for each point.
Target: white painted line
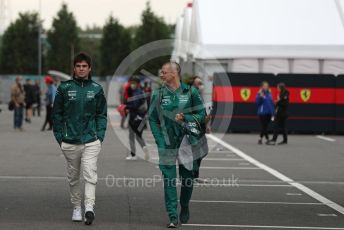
<point x="325" y="138"/>
<point x="253" y="202"/>
<point x="65" y="178"/>
<point x="222" y="159"/>
<point x="293" y="194"/>
<point x="259" y="226"/>
<point x="239" y="168"/>
<point x="241" y="185"/>
<point x="280" y="176"/>
<point x="131" y="178"/>
<point x="233" y="168"/>
<point x="302" y="182"/>
<point x="33" y="178"/>
<point x="264" y="185"/>
<point x="327" y="215"/>
<point x="212" y="159"/>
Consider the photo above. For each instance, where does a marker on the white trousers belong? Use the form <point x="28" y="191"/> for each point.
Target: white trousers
<point x="83" y="157"/>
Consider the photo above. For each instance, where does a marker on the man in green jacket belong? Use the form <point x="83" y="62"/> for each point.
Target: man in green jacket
<point x="79" y="125"/>
<point x="172" y="106"/>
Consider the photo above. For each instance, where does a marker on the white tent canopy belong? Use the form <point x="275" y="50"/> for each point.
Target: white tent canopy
<point x="271" y="36"/>
<point x="266" y="29"/>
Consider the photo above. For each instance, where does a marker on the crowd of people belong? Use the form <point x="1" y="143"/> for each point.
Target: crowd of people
<point x="273" y="111"/>
<point x="26" y="101"/>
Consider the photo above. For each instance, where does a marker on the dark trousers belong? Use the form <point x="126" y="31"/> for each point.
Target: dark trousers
<point x="280" y="126"/>
<point x="264" y="124"/>
<point x="198" y="165"/>
<point x="38" y="109"/>
<point x="134" y="133"/>
<point x="48" y="118"/>
<point x="18" y="117"/>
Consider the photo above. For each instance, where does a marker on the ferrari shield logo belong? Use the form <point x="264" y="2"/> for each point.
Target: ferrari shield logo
<point x="245" y="93"/>
<point x="305" y="95"/>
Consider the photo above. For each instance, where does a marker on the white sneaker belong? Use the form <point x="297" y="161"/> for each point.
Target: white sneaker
<point x="146" y="151"/>
<point x="131" y="158"/>
<point x="200" y="180"/>
<point x="77" y="217"/>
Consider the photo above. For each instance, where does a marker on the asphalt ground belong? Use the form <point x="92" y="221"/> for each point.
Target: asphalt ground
<point x="248" y="186"/>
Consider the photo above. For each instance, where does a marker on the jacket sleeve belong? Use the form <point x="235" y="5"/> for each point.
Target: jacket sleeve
<point x="198" y="112"/>
<point x="57" y="115"/>
<point x="154" y="121"/>
<point x="101" y="115"/>
<point x="259" y="99"/>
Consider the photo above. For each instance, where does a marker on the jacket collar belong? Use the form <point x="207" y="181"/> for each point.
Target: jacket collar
<point x="81" y="81"/>
<point x="184" y="87"/>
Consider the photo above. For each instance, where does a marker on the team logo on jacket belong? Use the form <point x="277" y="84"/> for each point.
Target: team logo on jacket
<point x="245" y="93"/>
<point x="90" y="94"/>
<point x="72" y="95"/>
<point x="305" y="95"/>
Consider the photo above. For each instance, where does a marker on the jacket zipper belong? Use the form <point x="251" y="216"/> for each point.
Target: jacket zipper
<point x="65" y="125"/>
<point x="82" y="104"/>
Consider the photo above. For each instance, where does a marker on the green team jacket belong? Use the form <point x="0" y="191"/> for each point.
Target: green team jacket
<point x="168" y="134"/>
<point x="79" y="112"/>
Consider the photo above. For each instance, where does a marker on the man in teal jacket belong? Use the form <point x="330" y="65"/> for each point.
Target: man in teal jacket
<point x="173" y="105"/>
<point x="79" y="125"/>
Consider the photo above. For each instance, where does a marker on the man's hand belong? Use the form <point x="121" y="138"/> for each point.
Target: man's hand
<point x="179" y="117"/>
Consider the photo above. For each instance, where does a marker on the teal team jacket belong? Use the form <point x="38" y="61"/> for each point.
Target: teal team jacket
<point x="167" y="133"/>
<point x="79" y="112"/>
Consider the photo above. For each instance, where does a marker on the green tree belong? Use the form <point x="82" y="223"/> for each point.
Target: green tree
<point x="19" y="49"/>
<point x="63" y="40"/>
<point x="115" y="46"/>
<point x="152" y="28"/>
<point x="90" y="43"/>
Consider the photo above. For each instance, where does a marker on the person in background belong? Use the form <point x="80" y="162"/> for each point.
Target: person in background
<point x="49" y="101"/>
<point x="137" y="109"/>
<point x="18" y="97"/>
<point x="147" y="89"/>
<point x="281" y="115"/>
<point x="30" y="99"/>
<point x="197" y="82"/>
<point x="38" y="92"/>
<point x="265" y="111"/>
<point x="124" y="97"/>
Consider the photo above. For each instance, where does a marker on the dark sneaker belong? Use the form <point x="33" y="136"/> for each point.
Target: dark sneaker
<point x="283" y="143"/>
<point x="260" y="142"/>
<point x="184" y="215"/>
<point x="89" y="217"/>
<point x="271" y="142"/>
<point x="172" y="225"/>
